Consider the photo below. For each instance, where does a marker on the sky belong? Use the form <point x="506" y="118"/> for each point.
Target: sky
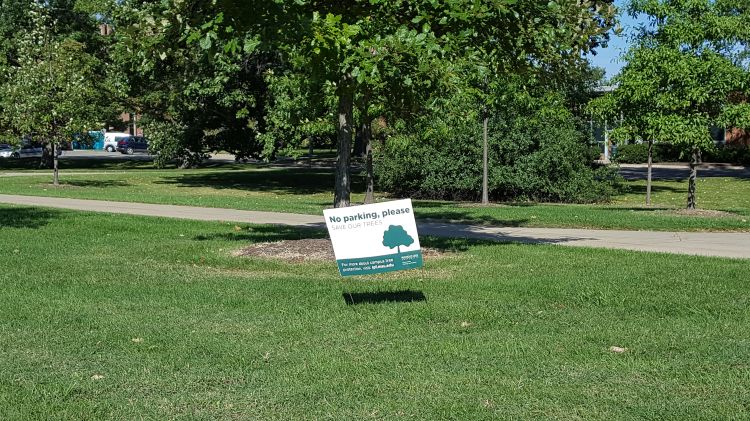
<point x="609" y="58"/>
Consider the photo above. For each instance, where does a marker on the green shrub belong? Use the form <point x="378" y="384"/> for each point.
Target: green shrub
<point x="631" y="154"/>
<point x="728" y="154"/>
<point x="537" y="155"/>
<point x="637" y="153"/>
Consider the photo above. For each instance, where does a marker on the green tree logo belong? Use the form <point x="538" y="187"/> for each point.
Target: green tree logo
<point x="396" y="236"/>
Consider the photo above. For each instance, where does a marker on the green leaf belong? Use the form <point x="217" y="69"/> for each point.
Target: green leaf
<point x="206" y="42"/>
<point x="250" y="45"/>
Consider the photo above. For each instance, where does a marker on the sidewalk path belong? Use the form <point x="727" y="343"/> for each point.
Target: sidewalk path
<point x="735" y="245"/>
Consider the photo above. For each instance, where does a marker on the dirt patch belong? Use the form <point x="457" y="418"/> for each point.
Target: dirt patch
<point x="706" y="213"/>
<point x="305" y="250"/>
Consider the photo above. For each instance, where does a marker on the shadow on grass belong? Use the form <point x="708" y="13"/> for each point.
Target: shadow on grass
<point x="444" y="237"/>
<point x="458" y="216"/>
<point x="19" y="164"/>
<point x="95" y="183"/>
<point x="264" y="234"/>
<point x="78" y="163"/>
<point x="493" y="234"/>
<point x="643" y="209"/>
<point x="641" y="189"/>
<point x="25" y="217"/>
<point x="430" y="204"/>
<point x="406" y="296"/>
<point x="284" y="180"/>
<point x="452" y="245"/>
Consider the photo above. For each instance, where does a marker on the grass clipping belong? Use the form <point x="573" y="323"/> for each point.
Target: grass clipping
<point x="311" y="249"/>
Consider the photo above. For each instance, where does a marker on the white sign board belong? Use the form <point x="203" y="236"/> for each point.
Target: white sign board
<point x="368" y="239"/>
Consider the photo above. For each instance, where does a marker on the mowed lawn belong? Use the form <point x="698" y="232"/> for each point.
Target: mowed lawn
<point x="129" y="317"/>
<point x="302" y="190"/>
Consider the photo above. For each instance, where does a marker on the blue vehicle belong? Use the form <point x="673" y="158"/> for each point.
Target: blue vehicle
<point x="132" y="144"/>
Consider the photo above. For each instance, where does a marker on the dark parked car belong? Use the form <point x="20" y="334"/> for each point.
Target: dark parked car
<point x="132" y="144"/>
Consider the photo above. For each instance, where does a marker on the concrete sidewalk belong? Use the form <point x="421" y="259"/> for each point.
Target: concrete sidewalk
<point x="734" y="245"/>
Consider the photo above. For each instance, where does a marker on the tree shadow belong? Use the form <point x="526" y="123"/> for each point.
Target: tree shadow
<point x="452" y="245"/>
<point x="431" y="204"/>
<point x="641" y="189"/>
<point x="19" y="164"/>
<point x="428" y="204"/>
<point x="24" y="217"/>
<point x="264" y="234"/>
<point x="282" y="180"/>
<point x="405" y="296"/>
<point x="492" y="234"/>
<point x="95" y="183"/>
<point x="456" y="216"/>
<point x="443" y="236"/>
<point x="643" y="209"/>
<point x="79" y="163"/>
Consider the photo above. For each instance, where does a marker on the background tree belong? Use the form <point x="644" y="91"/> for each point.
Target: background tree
<point x="55" y="89"/>
<point x="196" y="74"/>
<point x="349" y="47"/>
<point x="681" y="77"/>
<point x="362" y="48"/>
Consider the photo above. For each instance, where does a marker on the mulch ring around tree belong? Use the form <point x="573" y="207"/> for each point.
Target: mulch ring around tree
<point x="310" y="249"/>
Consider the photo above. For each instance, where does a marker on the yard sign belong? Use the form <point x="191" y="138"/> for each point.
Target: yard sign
<point x="374" y="238"/>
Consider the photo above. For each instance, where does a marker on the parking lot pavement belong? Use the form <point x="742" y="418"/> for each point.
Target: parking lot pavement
<point x="681" y="171"/>
<point x="92" y="154"/>
<point x="104" y="155"/>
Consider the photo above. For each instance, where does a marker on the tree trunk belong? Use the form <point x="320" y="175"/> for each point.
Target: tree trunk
<point x="309" y="151"/>
<point x="696" y="159"/>
<point x="360" y="148"/>
<point x="342" y="191"/>
<point x="485" y="161"/>
<point x="370" y="181"/>
<point x="56" y="175"/>
<point x="648" y="176"/>
<point x="46" y="160"/>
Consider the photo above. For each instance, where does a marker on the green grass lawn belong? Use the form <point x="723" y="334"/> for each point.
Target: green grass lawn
<point x="302" y="190"/>
<point x="178" y="328"/>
